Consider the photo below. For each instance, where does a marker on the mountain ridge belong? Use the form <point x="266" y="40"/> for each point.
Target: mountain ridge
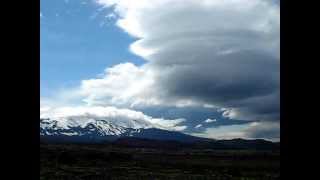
<point x="106" y="132"/>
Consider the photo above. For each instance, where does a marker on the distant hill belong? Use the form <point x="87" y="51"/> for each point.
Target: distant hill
<point x="200" y="144"/>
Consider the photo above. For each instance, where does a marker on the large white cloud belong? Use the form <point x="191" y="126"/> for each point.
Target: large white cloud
<point x="128" y="85"/>
<point x="221" y="25"/>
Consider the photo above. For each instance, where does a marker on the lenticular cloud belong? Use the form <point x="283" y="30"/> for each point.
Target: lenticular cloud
<point x="221" y="53"/>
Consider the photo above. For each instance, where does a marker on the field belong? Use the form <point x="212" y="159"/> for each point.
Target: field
<point x="97" y="162"/>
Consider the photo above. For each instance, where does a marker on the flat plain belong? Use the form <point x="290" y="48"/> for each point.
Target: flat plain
<point x="97" y="162"/>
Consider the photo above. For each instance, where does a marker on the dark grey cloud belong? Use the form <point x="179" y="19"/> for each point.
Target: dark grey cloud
<point x="248" y="81"/>
<point x="225" y="54"/>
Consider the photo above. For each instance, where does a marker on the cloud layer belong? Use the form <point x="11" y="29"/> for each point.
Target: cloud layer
<point x="123" y="117"/>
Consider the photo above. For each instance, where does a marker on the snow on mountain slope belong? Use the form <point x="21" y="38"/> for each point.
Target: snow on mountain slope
<point x="93" y="127"/>
<point x="99" y="122"/>
<point x="95" y="131"/>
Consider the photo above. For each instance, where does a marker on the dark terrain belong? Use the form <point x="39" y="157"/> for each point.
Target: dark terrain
<point x="133" y="158"/>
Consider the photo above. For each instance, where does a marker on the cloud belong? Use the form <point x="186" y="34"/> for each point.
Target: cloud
<point x="118" y="85"/>
<point x="223" y="53"/>
<point x="123" y="117"/>
<point x="198" y="126"/>
<point x="128" y="85"/>
<point x="210" y="120"/>
<point x="111" y="16"/>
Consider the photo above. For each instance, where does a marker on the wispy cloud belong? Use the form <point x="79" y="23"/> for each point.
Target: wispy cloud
<point x="210" y="120"/>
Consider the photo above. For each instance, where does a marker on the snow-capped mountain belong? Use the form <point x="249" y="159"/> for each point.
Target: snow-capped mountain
<point x="74" y="128"/>
<point x="81" y="129"/>
<point x="92" y="124"/>
<point x="135" y="133"/>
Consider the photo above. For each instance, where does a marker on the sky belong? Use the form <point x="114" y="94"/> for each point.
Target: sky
<point x="209" y="68"/>
<point x="77" y="41"/>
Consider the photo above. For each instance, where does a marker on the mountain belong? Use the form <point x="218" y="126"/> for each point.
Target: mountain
<point x="135" y="134"/>
<point x="97" y="131"/>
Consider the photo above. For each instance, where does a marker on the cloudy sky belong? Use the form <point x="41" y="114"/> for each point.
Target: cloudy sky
<point x="204" y="67"/>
